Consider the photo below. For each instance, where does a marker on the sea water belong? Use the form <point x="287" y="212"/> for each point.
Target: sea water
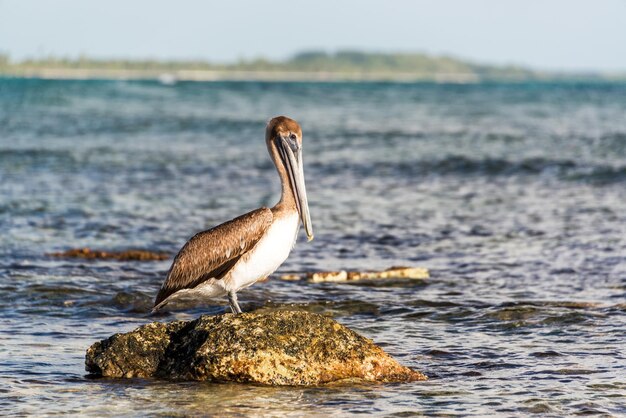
<point x="513" y="195"/>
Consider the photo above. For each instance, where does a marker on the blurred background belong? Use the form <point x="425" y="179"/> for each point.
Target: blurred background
<point x="483" y="140"/>
<point x="434" y="36"/>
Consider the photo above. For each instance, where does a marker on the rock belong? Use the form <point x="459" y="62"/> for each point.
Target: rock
<point x="391" y="273"/>
<point x="135" y="354"/>
<point x="290" y="277"/>
<point x="345" y="276"/>
<point x="128" y="255"/>
<point x="328" y="276"/>
<point x="272" y="348"/>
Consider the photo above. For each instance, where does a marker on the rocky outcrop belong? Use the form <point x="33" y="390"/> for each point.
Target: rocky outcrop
<point x="346" y="276"/>
<point x="275" y="348"/>
<point x="128" y="255"/>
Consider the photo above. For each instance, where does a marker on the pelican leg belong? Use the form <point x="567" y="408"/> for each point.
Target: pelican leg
<point x="234" y="305"/>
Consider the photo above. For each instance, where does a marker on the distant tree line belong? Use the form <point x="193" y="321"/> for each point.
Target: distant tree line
<point x="354" y="64"/>
<point x="310" y="61"/>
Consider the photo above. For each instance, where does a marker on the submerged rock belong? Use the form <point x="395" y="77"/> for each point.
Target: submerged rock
<point x="345" y="276"/>
<point x="275" y="348"/>
<point x="128" y="255"/>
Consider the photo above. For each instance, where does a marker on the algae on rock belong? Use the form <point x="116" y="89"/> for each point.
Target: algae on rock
<point x="275" y="348"/>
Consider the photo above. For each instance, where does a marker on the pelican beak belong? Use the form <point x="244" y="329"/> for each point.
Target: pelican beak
<point x="291" y="154"/>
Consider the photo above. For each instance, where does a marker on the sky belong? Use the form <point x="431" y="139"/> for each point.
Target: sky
<point x="570" y="35"/>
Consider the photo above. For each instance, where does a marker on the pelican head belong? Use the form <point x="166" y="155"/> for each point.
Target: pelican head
<point x="283" y="137"/>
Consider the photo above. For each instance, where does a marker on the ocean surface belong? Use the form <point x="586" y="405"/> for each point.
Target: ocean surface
<point x="513" y="195"/>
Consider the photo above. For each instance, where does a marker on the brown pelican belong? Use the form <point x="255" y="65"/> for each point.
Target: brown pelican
<point x="236" y="254"/>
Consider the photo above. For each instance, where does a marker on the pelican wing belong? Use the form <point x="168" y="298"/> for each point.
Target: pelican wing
<point x="212" y="253"/>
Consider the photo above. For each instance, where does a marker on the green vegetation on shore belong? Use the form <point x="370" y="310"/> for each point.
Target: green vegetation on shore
<point x="344" y="65"/>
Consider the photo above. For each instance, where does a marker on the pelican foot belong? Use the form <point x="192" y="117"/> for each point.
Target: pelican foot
<point x="234" y="305"/>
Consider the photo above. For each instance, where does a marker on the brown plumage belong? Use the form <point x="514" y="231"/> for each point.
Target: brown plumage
<point x="212" y="253"/>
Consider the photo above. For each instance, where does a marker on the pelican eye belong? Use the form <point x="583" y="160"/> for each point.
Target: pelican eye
<point x="293" y="137"/>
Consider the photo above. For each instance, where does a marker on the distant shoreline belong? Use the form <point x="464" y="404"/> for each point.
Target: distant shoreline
<point x="169" y="77"/>
<point x="342" y="66"/>
<point x="172" y="77"/>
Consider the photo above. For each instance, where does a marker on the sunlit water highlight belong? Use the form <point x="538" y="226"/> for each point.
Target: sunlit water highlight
<point x="513" y="195"/>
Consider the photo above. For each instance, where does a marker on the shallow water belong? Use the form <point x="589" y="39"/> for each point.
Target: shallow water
<point x="514" y="196"/>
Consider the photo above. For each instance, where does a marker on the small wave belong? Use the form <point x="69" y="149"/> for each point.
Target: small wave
<point x="35" y="156"/>
<point x="462" y="165"/>
<point x="599" y="175"/>
<point x="436" y="132"/>
<point x="76" y="125"/>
